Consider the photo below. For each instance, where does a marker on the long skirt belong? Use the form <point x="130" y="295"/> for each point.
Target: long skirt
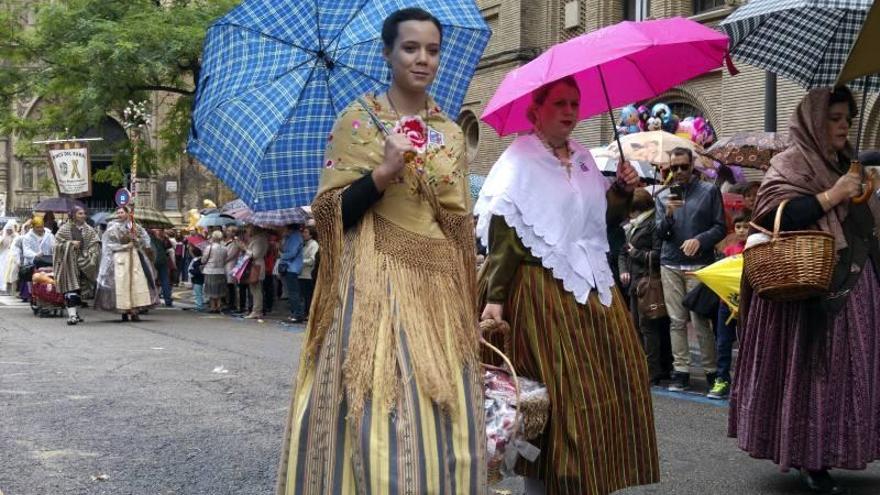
<point x="416" y="449"/>
<point x="600" y="437"/>
<point x="810" y="406"/>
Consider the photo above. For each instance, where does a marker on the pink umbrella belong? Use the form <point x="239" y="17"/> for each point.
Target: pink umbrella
<point x="627" y="62"/>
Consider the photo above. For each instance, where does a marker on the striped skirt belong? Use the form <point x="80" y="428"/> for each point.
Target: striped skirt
<point x="417" y="449"/>
<point x="600" y="437"/>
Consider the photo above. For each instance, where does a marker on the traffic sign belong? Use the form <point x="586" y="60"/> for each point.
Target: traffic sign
<point x="123" y="197"/>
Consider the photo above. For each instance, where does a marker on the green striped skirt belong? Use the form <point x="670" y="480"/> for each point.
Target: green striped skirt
<point x="600" y="437"/>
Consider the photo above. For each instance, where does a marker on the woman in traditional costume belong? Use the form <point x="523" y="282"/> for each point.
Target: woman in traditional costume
<point x="75" y="261"/>
<point x="126" y="279"/>
<point x="7" y="256"/>
<point x="388" y="395"/>
<point x="542" y="214"/>
<point x="807" y="391"/>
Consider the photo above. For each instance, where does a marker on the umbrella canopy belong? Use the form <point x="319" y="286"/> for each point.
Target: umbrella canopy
<point x="58" y="205"/>
<point x="277" y="218"/>
<point x="806" y="41"/>
<point x="215" y="220"/>
<point x="724" y="277"/>
<point x="863" y="59"/>
<point x="638" y="60"/>
<point x="276" y="74"/>
<point x="748" y="149"/>
<point x="654" y="147"/>
<point x="236" y="204"/>
<point x="102" y="217"/>
<point x="151" y="218"/>
<point x="475" y="183"/>
<point x="607" y="163"/>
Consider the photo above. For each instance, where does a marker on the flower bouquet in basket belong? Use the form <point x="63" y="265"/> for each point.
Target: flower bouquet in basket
<point x="516" y="410"/>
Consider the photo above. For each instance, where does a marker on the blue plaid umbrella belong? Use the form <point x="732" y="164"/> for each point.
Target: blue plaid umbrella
<point x="806" y="41"/>
<point x="277" y="72"/>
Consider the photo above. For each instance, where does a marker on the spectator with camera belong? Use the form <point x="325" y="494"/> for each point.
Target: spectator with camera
<point x="690" y="222"/>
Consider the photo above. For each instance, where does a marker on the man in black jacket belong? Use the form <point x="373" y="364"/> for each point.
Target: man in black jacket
<point x="690" y="221"/>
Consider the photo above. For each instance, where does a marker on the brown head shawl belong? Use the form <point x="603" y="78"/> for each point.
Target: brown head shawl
<point x="809" y="167"/>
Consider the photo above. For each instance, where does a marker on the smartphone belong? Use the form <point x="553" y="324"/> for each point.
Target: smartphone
<point x="676" y="192"/>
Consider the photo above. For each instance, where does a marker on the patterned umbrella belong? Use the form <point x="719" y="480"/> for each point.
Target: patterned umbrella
<point x="476" y="182"/>
<point x="748" y="149"/>
<point x="215" y="220"/>
<point x="277" y="218"/>
<point x="807" y="41"/>
<point x="151" y="218"/>
<point x="276" y="73"/>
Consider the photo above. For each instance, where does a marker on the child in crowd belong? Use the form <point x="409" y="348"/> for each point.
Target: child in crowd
<point x="725" y="332"/>
<point x="197" y="277"/>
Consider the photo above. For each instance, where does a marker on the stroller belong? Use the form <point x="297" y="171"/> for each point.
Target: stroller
<point x="45" y="298"/>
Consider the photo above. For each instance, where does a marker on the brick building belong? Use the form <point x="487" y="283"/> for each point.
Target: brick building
<point x="523" y="29"/>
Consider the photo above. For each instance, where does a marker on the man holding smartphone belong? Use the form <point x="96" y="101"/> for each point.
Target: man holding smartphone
<point x="690" y="221"/>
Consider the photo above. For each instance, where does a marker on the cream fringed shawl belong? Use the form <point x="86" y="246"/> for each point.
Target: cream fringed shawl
<point x="411" y="260"/>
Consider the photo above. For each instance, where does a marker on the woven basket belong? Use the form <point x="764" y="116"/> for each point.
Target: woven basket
<point x="532" y="413"/>
<point x="792" y="266"/>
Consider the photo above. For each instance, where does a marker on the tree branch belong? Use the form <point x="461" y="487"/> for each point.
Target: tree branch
<point x="159" y="87"/>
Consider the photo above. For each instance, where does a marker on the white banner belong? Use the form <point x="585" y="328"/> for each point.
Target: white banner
<point x="72" y="172"/>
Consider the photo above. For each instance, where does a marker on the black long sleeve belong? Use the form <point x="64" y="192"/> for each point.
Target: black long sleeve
<point x="798" y="214"/>
<point x="357" y="199"/>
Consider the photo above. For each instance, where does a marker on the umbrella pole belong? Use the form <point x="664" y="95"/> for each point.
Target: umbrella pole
<point x="855" y="166"/>
<point x="610" y="112"/>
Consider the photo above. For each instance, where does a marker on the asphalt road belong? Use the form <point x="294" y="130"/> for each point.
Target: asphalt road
<point x="182" y="403"/>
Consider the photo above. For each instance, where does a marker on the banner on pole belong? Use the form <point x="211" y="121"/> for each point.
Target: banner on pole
<point x="71" y="168"/>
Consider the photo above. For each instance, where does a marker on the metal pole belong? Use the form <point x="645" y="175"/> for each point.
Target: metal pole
<point x="769" y="102"/>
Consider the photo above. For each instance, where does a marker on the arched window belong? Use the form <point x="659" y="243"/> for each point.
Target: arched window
<point x="470" y="127"/>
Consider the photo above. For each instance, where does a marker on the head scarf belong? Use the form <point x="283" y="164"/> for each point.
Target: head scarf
<point x="809" y="166"/>
<point x="37" y="222"/>
<point x="11" y="224"/>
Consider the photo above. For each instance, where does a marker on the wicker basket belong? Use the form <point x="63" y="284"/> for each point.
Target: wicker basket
<point x="532" y="412"/>
<point x="792" y="266"/>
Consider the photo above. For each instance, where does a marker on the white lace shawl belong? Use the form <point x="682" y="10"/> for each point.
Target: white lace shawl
<point x="560" y="220"/>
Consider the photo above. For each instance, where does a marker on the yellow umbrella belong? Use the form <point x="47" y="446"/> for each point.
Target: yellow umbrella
<point x="724" y="277"/>
<point x="863" y="59"/>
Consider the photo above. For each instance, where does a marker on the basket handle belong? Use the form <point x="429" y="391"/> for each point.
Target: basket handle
<point x="518" y="417"/>
<point x="777" y="222"/>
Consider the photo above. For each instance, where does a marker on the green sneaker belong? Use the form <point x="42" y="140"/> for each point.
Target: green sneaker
<point x="720" y="390"/>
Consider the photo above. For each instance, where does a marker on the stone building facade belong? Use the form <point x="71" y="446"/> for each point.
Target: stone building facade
<point x="522" y="29"/>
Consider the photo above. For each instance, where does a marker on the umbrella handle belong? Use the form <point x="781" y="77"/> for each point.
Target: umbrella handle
<point x="855" y="167"/>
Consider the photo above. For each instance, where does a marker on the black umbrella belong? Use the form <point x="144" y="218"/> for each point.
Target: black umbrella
<point x="58" y="205"/>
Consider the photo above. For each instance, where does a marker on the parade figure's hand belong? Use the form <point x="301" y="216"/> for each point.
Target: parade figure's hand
<point x="74" y="244"/>
<point x="690" y="247"/>
<point x="396" y="146"/>
<point x="625" y="279"/>
<point x="627" y="175"/>
<point x="492" y="312"/>
<point x="847" y="186"/>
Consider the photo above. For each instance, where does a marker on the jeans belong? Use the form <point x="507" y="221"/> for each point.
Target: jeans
<point x="725" y="336"/>
<point x="199" y="294"/>
<point x="294" y="298"/>
<point x="675" y="286"/>
<point x="165" y="282"/>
